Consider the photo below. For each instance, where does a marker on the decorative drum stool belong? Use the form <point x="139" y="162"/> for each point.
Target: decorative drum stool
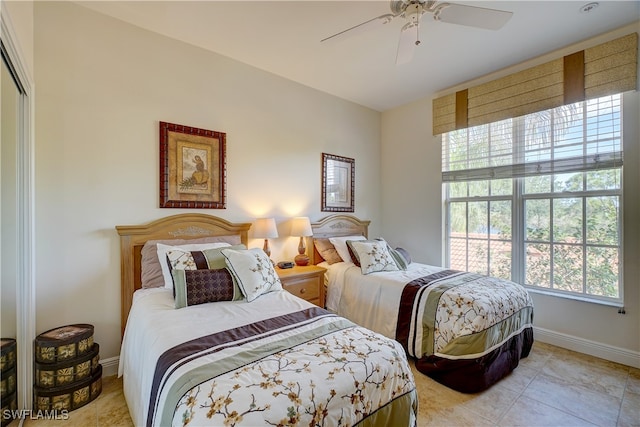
<point x="68" y="374"/>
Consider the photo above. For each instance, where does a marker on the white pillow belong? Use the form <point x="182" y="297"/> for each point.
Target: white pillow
<point x="374" y="256"/>
<point x="253" y="271"/>
<point x="340" y="243"/>
<point x="162" y="256"/>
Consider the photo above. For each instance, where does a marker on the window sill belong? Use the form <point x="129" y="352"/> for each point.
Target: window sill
<point x="558" y="294"/>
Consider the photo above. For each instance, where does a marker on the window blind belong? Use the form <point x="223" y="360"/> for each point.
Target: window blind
<point x="581" y="136"/>
<point x="605" y="69"/>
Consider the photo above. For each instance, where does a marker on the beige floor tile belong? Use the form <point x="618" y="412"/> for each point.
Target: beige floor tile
<point x="491" y="404"/>
<point x="451" y="417"/>
<point x="81" y="417"/>
<point x="595" y="374"/>
<point x="530" y="413"/>
<point x="597" y="408"/>
<point x="630" y="410"/>
<point x="538" y="357"/>
<point x="633" y="382"/>
<point x="112" y="410"/>
<point x="519" y="378"/>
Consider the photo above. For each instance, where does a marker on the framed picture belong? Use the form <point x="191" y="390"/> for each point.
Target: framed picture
<point x="338" y="183"/>
<point x="192" y="167"/>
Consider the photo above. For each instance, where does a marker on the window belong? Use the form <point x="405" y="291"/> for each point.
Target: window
<point x="538" y="199"/>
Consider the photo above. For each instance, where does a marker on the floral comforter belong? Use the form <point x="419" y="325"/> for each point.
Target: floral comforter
<point x="460" y="315"/>
<point x="305" y="367"/>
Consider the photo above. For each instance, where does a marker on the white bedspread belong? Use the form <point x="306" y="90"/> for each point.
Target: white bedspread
<point x="370" y="303"/>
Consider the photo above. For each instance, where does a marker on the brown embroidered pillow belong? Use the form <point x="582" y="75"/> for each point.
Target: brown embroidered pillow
<point x="203" y="286"/>
<point x="327" y="250"/>
<point x="201" y="276"/>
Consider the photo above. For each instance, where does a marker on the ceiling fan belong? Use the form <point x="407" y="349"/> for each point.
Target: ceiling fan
<point x="412" y="11"/>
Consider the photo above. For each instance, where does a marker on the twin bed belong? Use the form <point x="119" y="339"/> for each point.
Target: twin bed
<point x="222" y="360"/>
<point x="464" y="330"/>
<point x="266" y="357"/>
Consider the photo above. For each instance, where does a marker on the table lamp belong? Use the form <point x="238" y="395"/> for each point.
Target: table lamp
<point x="301" y="227"/>
<point x="265" y="228"/>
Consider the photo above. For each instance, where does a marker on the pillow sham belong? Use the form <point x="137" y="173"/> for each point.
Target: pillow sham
<point x="397" y="256"/>
<point x="181" y="261"/>
<point x="352" y="252"/>
<point x="327" y="251"/>
<point x="151" y="266"/>
<point x="340" y="244"/>
<point x="253" y="271"/>
<point x="193" y="287"/>
<point x="163" y="249"/>
<point x="374" y="256"/>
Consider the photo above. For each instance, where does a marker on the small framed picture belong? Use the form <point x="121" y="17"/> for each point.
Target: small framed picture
<point x="338" y="183"/>
<point x="192" y="167"/>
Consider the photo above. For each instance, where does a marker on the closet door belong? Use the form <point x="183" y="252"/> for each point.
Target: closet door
<point x="9" y="138"/>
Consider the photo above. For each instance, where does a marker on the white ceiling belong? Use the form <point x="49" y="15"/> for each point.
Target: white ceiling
<point x="283" y="37"/>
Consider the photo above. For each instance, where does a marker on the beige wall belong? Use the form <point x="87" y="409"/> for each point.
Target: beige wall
<point x="20" y="17"/>
<point x="582" y="326"/>
<point x="102" y="86"/>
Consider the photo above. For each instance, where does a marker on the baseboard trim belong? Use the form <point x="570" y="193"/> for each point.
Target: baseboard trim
<point x="110" y="366"/>
<point x="603" y="351"/>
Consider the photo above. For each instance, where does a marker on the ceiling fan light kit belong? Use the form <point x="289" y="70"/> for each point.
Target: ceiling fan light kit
<point x="412" y="11"/>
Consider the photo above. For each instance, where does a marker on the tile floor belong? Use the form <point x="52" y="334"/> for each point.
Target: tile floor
<point x="552" y="387"/>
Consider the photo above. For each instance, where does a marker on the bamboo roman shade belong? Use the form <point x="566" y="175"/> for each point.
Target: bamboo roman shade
<point x="608" y="68"/>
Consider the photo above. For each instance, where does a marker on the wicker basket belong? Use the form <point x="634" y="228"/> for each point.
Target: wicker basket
<point x="68" y="397"/>
<point x="9" y="403"/>
<point x="60" y="374"/>
<point x="64" y="343"/>
<point x="8" y="382"/>
<point x="7" y="354"/>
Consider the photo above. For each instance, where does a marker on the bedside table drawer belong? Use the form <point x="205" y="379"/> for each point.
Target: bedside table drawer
<point x="304" y="288"/>
<point x="306" y="282"/>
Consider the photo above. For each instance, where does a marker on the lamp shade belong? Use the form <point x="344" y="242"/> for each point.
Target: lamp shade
<point x="265" y="228"/>
<point x="301" y="226"/>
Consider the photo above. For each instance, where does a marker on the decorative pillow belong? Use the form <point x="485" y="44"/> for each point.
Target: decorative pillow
<point x="180" y="261"/>
<point x="374" y="256"/>
<point x="162" y="250"/>
<point x="397" y="256"/>
<point x="341" y="246"/>
<point x="327" y="251"/>
<point x="405" y="255"/>
<point x="253" y="271"/>
<point x="193" y="287"/>
<point x="352" y="252"/>
<point x="151" y="265"/>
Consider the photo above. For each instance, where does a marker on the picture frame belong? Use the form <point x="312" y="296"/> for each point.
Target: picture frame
<point x="192" y="167"/>
<point x="338" y="183"/>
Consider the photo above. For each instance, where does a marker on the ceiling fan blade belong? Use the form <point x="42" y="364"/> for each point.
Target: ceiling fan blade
<point x="472" y="16"/>
<point x="357" y="29"/>
<point x="407" y="43"/>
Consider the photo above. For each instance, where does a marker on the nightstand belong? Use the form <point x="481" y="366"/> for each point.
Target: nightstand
<point x="305" y="282"/>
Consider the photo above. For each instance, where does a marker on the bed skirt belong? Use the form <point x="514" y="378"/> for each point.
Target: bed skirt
<point x="475" y="375"/>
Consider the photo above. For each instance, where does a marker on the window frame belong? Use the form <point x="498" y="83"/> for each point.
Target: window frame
<point x="518" y="225"/>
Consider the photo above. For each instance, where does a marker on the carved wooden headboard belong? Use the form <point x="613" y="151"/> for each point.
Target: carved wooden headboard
<point x="182" y="226"/>
<point x="334" y="226"/>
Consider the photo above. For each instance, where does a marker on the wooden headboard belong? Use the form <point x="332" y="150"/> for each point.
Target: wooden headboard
<point x="182" y="226"/>
<point x="334" y="226"/>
